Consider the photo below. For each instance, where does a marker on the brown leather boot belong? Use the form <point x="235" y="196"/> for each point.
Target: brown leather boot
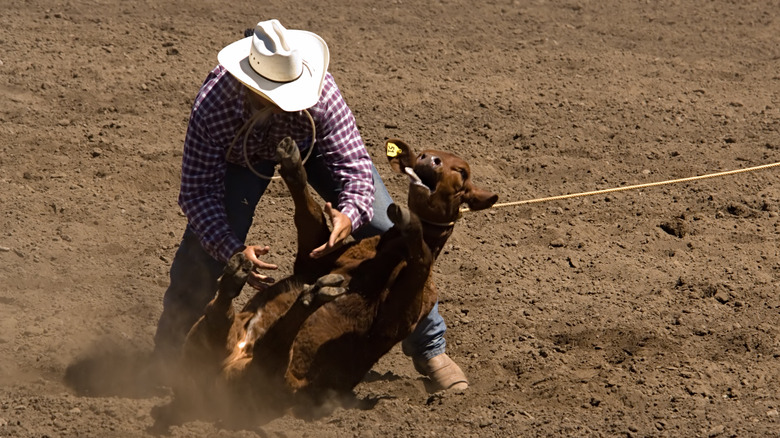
<point x="443" y="373"/>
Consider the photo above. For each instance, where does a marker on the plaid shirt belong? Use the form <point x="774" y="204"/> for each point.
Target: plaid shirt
<point x="219" y="112"/>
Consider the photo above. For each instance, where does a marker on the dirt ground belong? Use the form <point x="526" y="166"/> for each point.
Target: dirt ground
<point x="644" y="313"/>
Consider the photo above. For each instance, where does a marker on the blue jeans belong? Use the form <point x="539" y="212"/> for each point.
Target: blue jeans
<point x="194" y="272"/>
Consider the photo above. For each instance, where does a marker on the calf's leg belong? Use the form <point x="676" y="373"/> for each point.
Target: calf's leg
<point x="309" y="219"/>
<point x="272" y="351"/>
<point x="400" y="311"/>
<point x="206" y="343"/>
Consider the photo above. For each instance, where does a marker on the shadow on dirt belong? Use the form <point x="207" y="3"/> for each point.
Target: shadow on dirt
<point x="233" y="416"/>
<point x="108" y="369"/>
<point x="373" y="376"/>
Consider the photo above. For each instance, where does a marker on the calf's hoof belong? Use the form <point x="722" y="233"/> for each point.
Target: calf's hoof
<point x="330" y="280"/>
<point x="326" y="288"/>
<point x="399" y="215"/>
<point x="290" y="164"/>
<point x="235" y="275"/>
<point x="239" y="266"/>
<point x="287" y="153"/>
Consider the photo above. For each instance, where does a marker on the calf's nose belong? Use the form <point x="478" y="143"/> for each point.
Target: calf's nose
<point x="431" y="160"/>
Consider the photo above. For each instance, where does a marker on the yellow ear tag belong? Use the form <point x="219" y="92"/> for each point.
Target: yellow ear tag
<point x="393" y="150"/>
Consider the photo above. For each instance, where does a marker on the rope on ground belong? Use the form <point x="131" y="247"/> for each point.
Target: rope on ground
<point x="632" y="187"/>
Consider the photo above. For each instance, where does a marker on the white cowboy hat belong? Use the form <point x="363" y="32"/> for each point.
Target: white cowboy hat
<point x="285" y="66"/>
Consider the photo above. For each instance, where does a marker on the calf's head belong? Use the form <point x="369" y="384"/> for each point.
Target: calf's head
<point x="440" y="182"/>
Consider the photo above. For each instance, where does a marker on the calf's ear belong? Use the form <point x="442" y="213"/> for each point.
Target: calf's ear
<point x="478" y="199"/>
<point x="400" y="155"/>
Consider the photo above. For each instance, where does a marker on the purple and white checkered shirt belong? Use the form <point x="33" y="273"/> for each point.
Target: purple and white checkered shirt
<point x="217" y="115"/>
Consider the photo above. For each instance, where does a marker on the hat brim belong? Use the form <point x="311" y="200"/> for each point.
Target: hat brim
<point x="296" y="95"/>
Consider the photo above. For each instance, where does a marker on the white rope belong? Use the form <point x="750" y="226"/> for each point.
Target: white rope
<point x="247" y="128"/>
<point x="633" y="187"/>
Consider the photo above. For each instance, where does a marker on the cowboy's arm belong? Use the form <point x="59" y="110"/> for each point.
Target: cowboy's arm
<point x="202" y="192"/>
<point x="343" y="150"/>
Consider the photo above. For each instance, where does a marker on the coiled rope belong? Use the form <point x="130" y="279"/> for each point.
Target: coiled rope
<point x="632" y="187"/>
<point x="261" y="115"/>
<point x="246" y="129"/>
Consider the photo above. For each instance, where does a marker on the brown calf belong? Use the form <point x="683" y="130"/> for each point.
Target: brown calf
<point x="321" y="330"/>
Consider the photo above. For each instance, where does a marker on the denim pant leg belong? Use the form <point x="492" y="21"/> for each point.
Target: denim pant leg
<point x="427" y="340"/>
<point x="194" y="272"/>
<point x="321" y="180"/>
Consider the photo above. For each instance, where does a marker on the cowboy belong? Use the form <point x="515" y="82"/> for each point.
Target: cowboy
<point x="269" y="85"/>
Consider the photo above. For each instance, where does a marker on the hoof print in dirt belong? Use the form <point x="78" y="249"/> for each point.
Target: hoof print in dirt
<point x="677" y="228"/>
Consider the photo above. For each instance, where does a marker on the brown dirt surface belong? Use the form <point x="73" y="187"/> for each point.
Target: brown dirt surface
<point x="645" y="313"/>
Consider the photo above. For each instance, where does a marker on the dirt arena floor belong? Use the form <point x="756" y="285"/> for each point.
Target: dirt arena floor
<point x="642" y="313"/>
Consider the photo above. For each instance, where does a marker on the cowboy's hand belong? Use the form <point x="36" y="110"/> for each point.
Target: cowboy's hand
<point x="342" y="228"/>
<point x="256" y="279"/>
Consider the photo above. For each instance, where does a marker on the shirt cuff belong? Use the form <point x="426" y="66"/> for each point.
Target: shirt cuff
<point x="352" y="213"/>
<point x="230" y="247"/>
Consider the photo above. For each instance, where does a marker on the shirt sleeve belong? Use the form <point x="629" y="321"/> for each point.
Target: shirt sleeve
<point x="342" y="148"/>
<point x="202" y="192"/>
